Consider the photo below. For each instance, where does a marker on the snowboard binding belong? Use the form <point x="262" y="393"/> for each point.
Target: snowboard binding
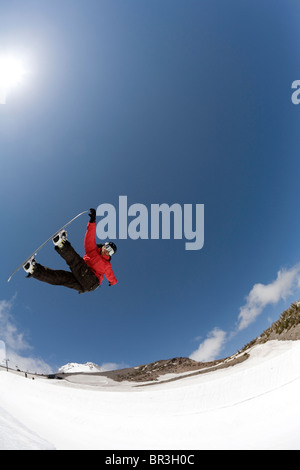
<point x="29" y="266"/>
<point x="60" y="239"/>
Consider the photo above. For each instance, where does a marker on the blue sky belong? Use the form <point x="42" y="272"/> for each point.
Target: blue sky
<point x="184" y="102"/>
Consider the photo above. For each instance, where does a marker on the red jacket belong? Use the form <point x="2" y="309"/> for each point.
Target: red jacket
<point x="99" y="264"/>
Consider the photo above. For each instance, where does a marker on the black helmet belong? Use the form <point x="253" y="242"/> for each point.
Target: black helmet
<point x="110" y="248"/>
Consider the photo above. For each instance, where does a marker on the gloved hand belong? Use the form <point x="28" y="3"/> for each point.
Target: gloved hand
<point x="92" y="215"/>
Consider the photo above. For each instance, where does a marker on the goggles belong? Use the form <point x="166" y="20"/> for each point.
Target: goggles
<point x="109" y="249"/>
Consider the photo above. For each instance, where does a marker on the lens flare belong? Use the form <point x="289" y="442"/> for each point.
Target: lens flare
<point x="12" y="73"/>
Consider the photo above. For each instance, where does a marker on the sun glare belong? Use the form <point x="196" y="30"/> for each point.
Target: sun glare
<point x="12" y="73"/>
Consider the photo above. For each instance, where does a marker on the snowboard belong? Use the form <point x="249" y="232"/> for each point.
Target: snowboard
<point x="39" y="248"/>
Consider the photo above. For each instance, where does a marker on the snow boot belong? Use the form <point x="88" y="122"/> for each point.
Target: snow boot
<point x="29" y="266"/>
<point x="60" y="239"/>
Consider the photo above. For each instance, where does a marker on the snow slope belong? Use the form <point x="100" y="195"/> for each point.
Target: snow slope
<point x="253" y="405"/>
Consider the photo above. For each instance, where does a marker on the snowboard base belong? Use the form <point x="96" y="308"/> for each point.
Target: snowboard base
<point x="43" y="244"/>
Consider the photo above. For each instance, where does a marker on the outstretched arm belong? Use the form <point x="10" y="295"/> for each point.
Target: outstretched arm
<point x="90" y="246"/>
<point x="110" y="276"/>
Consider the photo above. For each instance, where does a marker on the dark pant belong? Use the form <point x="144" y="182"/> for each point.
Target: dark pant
<point x="81" y="277"/>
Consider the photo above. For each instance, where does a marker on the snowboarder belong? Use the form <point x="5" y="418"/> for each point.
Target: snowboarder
<point x="86" y="273"/>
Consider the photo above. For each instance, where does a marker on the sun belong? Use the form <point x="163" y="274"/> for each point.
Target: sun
<point x="12" y="73"/>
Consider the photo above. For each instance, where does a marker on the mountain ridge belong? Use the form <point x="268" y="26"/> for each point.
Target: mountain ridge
<point x="286" y="328"/>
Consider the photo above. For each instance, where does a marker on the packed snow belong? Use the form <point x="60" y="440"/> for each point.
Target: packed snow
<point x="253" y="405"/>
